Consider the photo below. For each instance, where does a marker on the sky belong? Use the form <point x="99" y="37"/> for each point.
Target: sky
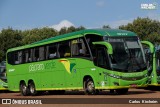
<point x="29" y="14"/>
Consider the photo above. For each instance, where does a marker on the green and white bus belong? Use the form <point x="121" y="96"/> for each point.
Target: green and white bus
<point x="3" y="78"/>
<point x="153" y="58"/>
<point x="89" y="60"/>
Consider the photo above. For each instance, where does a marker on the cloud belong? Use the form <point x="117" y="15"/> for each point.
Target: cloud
<point x="63" y="23"/>
<point x="100" y="3"/>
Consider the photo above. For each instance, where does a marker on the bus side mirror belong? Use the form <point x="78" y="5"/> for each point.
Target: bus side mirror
<point x="106" y="44"/>
<point x="150" y="45"/>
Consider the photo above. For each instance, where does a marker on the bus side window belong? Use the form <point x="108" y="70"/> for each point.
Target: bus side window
<point x="29" y="55"/>
<point x="84" y="48"/>
<point x="79" y="48"/>
<point x="61" y="51"/>
<point x="20" y="57"/>
<point x="16" y="61"/>
<point x="10" y="57"/>
<point x="64" y="49"/>
<point x="52" y="51"/>
<point x="74" y="47"/>
<point x="26" y="56"/>
<point x="41" y="53"/>
<point x="35" y="54"/>
<point x="93" y="38"/>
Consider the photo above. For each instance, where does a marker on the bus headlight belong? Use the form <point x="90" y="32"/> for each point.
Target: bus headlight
<point x="112" y="75"/>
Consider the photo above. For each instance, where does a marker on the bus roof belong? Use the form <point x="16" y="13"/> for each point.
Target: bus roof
<point x="100" y="32"/>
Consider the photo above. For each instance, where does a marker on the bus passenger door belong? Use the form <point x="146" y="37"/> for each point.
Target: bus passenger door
<point x="101" y="60"/>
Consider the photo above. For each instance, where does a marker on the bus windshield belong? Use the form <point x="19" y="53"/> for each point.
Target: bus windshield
<point x="128" y="55"/>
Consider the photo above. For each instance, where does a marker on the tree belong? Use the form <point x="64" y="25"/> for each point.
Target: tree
<point x="30" y="36"/>
<point x="80" y="28"/>
<point x="145" y="28"/>
<point x="106" y="27"/>
<point x="71" y="29"/>
<point x="63" y="31"/>
<point x="9" y="38"/>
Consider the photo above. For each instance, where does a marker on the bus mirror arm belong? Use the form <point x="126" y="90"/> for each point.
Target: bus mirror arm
<point x="151" y="46"/>
<point x="106" y="44"/>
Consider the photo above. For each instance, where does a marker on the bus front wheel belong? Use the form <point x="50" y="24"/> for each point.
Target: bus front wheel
<point x="121" y="91"/>
<point x="24" y="89"/>
<point x="32" y="88"/>
<point x="89" y="87"/>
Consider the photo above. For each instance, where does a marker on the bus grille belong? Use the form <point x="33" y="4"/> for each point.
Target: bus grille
<point x="132" y="78"/>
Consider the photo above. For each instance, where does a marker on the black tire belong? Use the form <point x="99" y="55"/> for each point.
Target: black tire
<point x="32" y="89"/>
<point x="24" y="89"/>
<point x="122" y="91"/>
<point x="89" y="87"/>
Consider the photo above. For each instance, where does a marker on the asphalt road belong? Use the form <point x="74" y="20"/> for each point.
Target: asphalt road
<point x="77" y="98"/>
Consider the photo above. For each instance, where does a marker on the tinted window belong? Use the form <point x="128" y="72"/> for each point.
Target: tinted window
<point x="93" y="38"/>
<point x="64" y="49"/>
<point x="101" y="58"/>
<point x="52" y="51"/>
<point x="42" y="53"/>
<point x="79" y="48"/>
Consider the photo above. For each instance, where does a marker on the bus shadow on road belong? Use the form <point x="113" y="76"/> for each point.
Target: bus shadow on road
<point x="131" y="92"/>
<point x="140" y="92"/>
<point x="105" y="92"/>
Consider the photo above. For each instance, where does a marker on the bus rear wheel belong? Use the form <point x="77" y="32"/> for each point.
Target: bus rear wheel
<point x="122" y="91"/>
<point x="24" y="89"/>
<point x="89" y="87"/>
<point x="32" y="89"/>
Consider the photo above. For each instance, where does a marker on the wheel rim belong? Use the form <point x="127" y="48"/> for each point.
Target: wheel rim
<point x="24" y="88"/>
<point x="90" y="86"/>
<point x="32" y="89"/>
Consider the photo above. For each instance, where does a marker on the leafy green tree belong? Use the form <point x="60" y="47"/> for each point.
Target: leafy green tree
<point x="63" y="31"/>
<point x="71" y="29"/>
<point x="106" y="26"/>
<point x="153" y="37"/>
<point x="30" y="36"/>
<point x="145" y="28"/>
<point x="80" y="28"/>
<point x="9" y="38"/>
